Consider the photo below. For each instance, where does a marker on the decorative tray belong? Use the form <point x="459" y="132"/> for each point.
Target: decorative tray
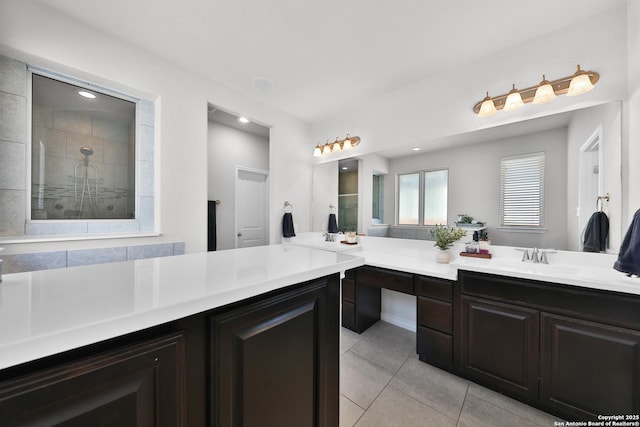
<point x="475" y="255"/>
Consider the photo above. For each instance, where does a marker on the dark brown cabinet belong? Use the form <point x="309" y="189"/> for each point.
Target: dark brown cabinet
<point x="571" y="351"/>
<point x="270" y="360"/>
<point x="275" y="363"/>
<point x="136" y="385"/>
<point x="500" y="345"/>
<point x="589" y="368"/>
<point x="361" y="303"/>
<point x="435" y="321"/>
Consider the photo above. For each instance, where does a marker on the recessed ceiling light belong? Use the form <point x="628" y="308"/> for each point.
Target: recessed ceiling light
<point x="262" y="83"/>
<point x="86" y="94"/>
<point x="416" y="149"/>
<point x="243" y="120"/>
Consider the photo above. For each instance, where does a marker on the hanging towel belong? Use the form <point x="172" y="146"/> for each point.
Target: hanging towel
<point x="596" y="233"/>
<point x="211" y="227"/>
<point x="287" y="225"/>
<point x="629" y="256"/>
<point x="333" y="224"/>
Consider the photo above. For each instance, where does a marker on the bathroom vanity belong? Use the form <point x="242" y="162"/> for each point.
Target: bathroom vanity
<point x="563" y="337"/>
<point x="238" y="337"/>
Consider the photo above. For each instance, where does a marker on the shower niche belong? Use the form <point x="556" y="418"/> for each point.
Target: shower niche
<point x="82" y="152"/>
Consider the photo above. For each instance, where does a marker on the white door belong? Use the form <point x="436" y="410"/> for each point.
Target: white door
<point x="251" y="208"/>
<point x="590" y="182"/>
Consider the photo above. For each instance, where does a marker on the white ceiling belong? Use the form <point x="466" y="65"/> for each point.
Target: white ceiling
<point x="324" y="57"/>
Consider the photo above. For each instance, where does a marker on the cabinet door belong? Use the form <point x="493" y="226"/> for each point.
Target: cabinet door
<point x="500" y="345"/>
<point x="275" y="363"/>
<point x="137" y="385"/>
<point x="588" y="368"/>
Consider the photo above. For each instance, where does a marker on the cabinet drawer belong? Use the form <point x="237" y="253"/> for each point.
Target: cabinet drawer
<point x="435" y="288"/>
<point x="348" y="290"/>
<point x="435" y="314"/>
<point x="388" y="279"/>
<point x="435" y="347"/>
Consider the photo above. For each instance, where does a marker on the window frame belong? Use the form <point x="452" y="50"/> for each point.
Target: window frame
<point x="421" y="196"/>
<point x="524" y="227"/>
<point x="144" y="223"/>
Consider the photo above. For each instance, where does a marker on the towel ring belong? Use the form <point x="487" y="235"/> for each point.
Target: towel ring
<point x="332" y="209"/>
<point x="288" y="207"/>
<point x="600" y="201"/>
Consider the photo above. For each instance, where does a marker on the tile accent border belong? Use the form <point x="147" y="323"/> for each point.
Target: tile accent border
<point x="18" y="263"/>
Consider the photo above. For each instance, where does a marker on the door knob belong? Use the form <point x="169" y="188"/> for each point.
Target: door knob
<point x="239" y="234"/>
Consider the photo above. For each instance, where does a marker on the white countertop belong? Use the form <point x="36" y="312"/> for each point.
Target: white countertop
<point x="47" y="312"/>
<point x="588" y="270"/>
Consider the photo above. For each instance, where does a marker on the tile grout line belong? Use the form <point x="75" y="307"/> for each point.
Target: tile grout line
<point x="466" y="393"/>
<point x="422" y="403"/>
<point x="364" y="411"/>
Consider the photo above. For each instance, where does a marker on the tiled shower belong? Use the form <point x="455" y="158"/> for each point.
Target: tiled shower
<point x="82" y="162"/>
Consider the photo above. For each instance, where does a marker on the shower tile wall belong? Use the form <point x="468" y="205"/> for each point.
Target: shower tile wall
<point x="63" y="132"/>
<point x="13" y="103"/>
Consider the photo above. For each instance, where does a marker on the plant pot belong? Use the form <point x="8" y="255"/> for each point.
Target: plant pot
<point x="443" y="256"/>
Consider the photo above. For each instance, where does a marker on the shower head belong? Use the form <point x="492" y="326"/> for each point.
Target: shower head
<point x="87" y="151"/>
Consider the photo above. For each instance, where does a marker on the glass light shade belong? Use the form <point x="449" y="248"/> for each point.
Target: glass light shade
<point x="544" y="93"/>
<point x="580" y="84"/>
<point x="514" y="101"/>
<point x="347" y="145"/>
<point x="336" y="147"/>
<point x="317" y="152"/>
<point x="326" y="149"/>
<point x="487" y="109"/>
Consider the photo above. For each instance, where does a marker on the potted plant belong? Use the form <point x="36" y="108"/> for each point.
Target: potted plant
<point x="445" y="237"/>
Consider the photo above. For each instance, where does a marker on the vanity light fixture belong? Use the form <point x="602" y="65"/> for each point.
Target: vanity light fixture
<point x="546" y="91"/>
<point x="336" y="146"/>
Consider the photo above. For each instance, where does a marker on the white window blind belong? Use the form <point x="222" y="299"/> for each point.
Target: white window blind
<point x="522" y="190"/>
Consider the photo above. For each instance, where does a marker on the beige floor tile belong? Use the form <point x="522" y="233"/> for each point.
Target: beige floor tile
<point x="386" y="345"/>
<point x="360" y="380"/>
<point x="394" y="408"/>
<point x="348" y="339"/>
<point x="521" y="409"/>
<point x="432" y="386"/>
<point x="480" y="413"/>
<point x="350" y="413"/>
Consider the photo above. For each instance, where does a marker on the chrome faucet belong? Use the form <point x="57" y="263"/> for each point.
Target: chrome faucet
<point x="544" y="259"/>
<point x="534" y="256"/>
<point x="329" y="237"/>
<point x="538" y="256"/>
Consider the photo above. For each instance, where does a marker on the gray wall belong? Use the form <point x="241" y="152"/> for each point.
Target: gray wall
<point x="474" y="183"/>
<point x="228" y="148"/>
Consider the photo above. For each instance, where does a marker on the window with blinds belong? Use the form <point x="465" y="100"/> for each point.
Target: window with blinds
<point x="522" y="190"/>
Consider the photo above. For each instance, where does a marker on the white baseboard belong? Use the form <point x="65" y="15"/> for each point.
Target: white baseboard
<point x="401" y="322"/>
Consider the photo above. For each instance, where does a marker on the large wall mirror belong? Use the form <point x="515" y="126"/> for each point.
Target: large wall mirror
<point x="582" y="151"/>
